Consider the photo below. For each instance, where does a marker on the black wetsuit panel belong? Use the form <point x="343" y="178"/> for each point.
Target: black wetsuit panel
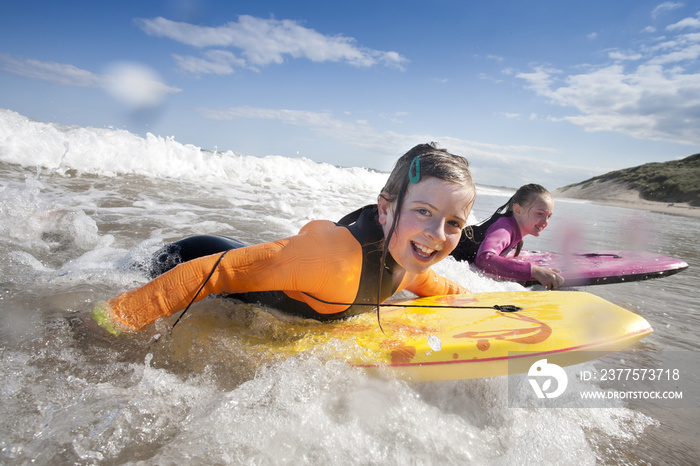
<point x="469" y="243"/>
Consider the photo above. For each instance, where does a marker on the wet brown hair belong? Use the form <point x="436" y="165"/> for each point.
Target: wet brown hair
<point x="421" y="162"/>
<point x="525" y="195"/>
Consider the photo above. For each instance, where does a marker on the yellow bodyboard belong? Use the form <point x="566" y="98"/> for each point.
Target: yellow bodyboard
<point x="466" y="336"/>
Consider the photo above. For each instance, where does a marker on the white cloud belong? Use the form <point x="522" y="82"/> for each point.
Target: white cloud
<point x="691" y="53"/>
<point x="517" y="164"/>
<point x="680" y="48"/>
<point x="221" y="62"/>
<point x="57" y="73"/>
<point x="357" y="133"/>
<point x="647" y="103"/>
<point x="540" y="79"/>
<point x="135" y="85"/>
<point x="265" y="41"/>
<point x="666" y="6"/>
<point x="617" y="55"/>
<point x="655" y="98"/>
<point x="693" y="23"/>
<point x="293" y="117"/>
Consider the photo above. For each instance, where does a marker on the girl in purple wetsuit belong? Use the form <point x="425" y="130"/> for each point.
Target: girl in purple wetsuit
<point x="488" y="245"/>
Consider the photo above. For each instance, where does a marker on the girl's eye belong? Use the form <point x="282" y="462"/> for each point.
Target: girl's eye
<point x="456" y="224"/>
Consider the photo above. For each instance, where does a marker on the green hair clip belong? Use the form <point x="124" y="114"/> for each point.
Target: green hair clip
<point x="414" y="170"/>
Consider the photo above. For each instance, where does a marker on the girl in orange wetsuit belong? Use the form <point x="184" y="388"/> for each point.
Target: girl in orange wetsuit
<point x="329" y="270"/>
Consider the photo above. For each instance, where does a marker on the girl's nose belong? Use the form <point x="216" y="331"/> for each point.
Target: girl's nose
<point x="436" y="230"/>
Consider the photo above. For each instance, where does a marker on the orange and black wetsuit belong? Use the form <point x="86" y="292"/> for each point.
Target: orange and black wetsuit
<point x="327" y="271"/>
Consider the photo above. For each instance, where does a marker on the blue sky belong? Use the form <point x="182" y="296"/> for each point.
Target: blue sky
<point x="548" y="91"/>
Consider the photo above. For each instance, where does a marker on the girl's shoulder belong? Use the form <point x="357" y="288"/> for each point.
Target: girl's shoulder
<point x="503" y="221"/>
<point x="474" y="235"/>
<point x="495" y="221"/>
<point x="320" y="228"/>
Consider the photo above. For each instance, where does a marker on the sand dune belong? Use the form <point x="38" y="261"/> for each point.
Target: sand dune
<point x="615" y="193"/>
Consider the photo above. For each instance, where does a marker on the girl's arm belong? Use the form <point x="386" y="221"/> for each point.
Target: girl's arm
<point x="431" y="284"/>
<point x="323" y="260"/>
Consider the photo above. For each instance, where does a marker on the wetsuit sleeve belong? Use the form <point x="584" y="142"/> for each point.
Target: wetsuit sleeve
<point x="431" y="284"/>
<point x="498" y="239"/>
<point x="323" y="260"/>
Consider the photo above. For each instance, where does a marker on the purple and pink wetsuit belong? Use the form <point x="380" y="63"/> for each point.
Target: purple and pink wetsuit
<point x="499" y="240"/>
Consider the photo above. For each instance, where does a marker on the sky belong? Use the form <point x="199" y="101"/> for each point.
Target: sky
<point x="543" y="91"/>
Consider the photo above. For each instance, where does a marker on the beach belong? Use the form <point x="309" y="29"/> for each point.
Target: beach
<point x="617" y="194"/>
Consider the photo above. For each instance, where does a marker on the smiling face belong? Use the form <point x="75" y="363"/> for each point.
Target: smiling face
<point x="534" y="216"/>
<point x="433" y="214"/>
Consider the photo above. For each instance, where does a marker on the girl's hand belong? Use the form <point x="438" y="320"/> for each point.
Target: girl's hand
<point x="547" y="277"/>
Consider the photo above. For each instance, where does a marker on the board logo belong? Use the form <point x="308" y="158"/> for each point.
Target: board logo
<point x="544" y="372"/>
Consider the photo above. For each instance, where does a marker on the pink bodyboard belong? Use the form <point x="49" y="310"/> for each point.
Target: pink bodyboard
<point x="603" y="267"/>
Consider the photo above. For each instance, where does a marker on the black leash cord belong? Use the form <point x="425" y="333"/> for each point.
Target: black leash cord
<point x="200" y="288"/>
<point x="498" y="307"/>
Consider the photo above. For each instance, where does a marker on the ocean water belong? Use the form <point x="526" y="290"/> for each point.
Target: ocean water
<point x="80" y="206"/>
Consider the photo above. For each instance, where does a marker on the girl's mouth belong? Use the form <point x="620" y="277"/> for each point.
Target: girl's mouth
<point x="422" y="252"/>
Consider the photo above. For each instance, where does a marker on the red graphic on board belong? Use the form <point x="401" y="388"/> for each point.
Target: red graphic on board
<point x="528" y="335"/>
